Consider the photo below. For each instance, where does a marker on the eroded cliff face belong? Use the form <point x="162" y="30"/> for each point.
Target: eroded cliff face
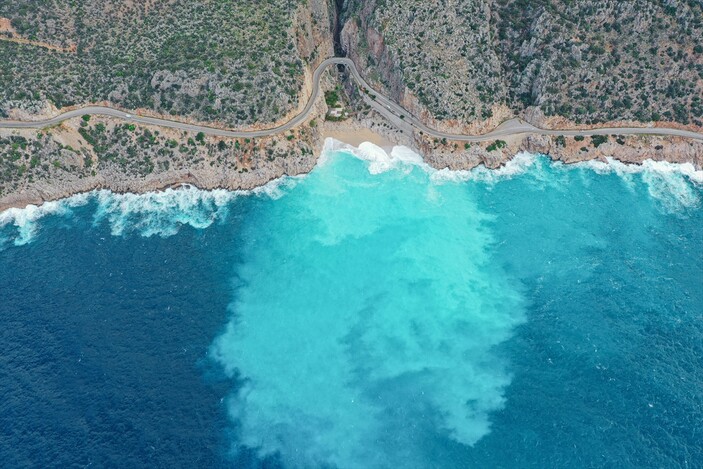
<point x="379" y="64"/>
<point x="465" y="64"/>
<point x="104" y="153"/>
<point x="312" y="24"/>
<point x="632" y="149"/>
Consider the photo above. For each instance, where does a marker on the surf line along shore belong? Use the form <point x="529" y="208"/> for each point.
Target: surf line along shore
<point x="512" y="129"/>
<point x="204" y="177"/>
<point x="209" y="177"/>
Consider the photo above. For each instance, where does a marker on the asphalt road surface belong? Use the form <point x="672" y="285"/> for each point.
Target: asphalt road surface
<point x="380" y="103"/>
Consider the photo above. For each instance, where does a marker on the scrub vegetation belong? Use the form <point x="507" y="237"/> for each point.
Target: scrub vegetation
<point x="231" y="61"/>
<point x="123" y="151"/>
<point x="590" y="61"/>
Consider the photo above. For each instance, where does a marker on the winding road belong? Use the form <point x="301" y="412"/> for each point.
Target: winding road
<point x="380" y="103"/>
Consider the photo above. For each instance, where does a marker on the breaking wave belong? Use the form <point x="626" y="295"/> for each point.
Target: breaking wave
<point x="673" y="185"/>
<point x="518" y="165"/>
<point x="163" y="213"/>
<point x="160" y="213"/>
<point x="19" y="226"/>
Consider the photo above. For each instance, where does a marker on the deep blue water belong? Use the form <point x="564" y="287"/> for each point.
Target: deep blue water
<point x="372" y="314"/>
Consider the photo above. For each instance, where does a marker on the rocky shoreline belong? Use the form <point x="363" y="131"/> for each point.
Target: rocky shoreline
<point x="210" y="164"/>
<point x="626" y="149"/>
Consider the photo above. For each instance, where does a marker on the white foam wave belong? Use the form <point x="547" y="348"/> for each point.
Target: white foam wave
<point x="672" y="184"/>
<point x="276" y="188"/>
<point x="668" y="183"/>
<point x="164" y="213"/>
<point x="26" y="220"/>
<point x="330" y="146"/>
<point x="160" y="213"/>
<point x="379" y="160"/>
<point x="612" y="165"/>
<point x="519" y="164"/>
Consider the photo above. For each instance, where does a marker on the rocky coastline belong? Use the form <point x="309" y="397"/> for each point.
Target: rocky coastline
<point x="211" y="165"/>
<point x="457" y="72"/>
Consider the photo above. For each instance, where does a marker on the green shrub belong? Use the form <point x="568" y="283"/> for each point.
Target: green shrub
<point x="496" y="145"/>
<point x="331" y="98"/>
<point x="598" y="140"/>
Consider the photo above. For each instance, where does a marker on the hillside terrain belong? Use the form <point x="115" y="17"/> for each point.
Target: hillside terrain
<point x="587" y="61"/>
<point x="461" y="67"/>
<point x="232" y="62"/>
<point x="452" y="62"/>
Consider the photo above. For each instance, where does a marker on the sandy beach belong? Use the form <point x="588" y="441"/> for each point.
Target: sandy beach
<point x="356" y="137"/>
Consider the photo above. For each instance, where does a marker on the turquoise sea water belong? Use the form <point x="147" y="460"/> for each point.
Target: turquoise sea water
<point x="375" y="313"/>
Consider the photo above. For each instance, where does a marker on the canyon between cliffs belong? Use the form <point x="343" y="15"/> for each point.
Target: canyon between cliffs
<point x="99" y="152"/>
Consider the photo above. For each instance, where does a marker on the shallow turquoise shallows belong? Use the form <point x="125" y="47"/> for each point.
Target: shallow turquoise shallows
<point x="375" y="313"/>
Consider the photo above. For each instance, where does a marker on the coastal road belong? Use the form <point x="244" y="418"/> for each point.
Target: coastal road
<point x="380" y="103"/>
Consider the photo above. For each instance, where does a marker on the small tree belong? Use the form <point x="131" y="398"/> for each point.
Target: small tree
<point x="598" y="140"/>
<point x="331" y="98"/>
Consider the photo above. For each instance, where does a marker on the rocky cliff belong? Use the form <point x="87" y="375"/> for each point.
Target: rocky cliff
<point x="465" y="62"/>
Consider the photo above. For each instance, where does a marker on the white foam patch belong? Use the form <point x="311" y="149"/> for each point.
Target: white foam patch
<point x="330" y="146"/>
<point x="663" y="167"/>
<point x="25" y="221"/>
<point x="379" y="160"/>
<point x="164" y="213"/>
<point x="519" y="164"/>
<point x="672" y="184"/>
<point x="160" y="213"/>
<point x="668" y="183"/>
<point x="402" y="157"/>
<point x="276" y="188"/>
